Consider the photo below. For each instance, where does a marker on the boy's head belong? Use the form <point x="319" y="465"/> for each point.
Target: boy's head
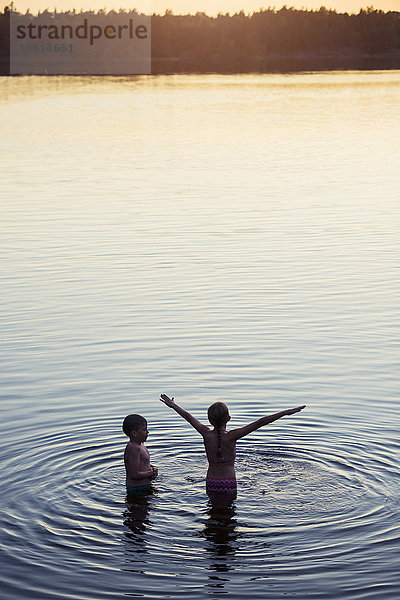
<point x="133" y="423"/>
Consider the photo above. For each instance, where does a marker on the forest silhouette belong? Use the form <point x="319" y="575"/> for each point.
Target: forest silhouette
<point x="267" y="40"/>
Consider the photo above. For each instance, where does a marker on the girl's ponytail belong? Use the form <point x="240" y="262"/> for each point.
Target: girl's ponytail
<point x="218" y="415"/>
<point x="220" y="456"/>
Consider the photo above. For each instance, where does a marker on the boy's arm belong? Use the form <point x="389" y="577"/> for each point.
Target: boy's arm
<point x="242" y="431"/>
<point x="185" y="414"/>
<point x="134" y="465"/>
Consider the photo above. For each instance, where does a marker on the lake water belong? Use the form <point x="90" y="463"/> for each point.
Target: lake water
<point x="212" y="237"/>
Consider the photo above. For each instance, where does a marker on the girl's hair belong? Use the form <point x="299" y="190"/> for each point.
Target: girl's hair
<point x="218" y="415"/>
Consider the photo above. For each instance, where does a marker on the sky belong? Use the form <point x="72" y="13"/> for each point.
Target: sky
<point x="211" y="7"/>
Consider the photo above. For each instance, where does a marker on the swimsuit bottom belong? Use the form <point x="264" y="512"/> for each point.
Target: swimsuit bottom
<point x="139" y="490"/>
<point x="221" y="486"/>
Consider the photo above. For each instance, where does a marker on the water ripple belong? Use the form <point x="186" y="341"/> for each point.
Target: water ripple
<point x="131" y="268"/>
<point x="77" y="505"/>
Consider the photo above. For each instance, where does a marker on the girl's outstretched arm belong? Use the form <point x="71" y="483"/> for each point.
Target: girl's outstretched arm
<point x="242" y="431"/>
<point x="185" y="414"/>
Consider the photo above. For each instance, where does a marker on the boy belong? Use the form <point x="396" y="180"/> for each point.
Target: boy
<point x="139" y="471"/>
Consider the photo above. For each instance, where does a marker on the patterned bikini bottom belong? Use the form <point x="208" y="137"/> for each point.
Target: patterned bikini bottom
<point x="221" y="486"/>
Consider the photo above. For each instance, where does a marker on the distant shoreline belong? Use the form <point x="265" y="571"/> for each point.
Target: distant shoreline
<point x="268" y="41"/>
<point x="256" y="65"/>
<point x="278" y="64"/>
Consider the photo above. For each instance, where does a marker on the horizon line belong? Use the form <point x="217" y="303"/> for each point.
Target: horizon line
<point x="170" y="12"/>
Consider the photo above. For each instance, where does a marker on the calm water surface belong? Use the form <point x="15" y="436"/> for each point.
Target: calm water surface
<point x="215" y="238"/>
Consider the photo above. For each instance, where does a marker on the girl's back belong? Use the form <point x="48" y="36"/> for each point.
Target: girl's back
<point x="221" y="453"/>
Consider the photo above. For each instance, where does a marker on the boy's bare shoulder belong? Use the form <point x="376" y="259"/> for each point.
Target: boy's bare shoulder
<point x="132" y="448"/>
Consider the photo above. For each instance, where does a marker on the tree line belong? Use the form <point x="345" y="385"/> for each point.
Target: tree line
<point x="270" y="39"/>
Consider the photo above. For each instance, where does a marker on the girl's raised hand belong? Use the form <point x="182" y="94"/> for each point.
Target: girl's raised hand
<point x="291" y="411"/>
<point x="168" y="401"/>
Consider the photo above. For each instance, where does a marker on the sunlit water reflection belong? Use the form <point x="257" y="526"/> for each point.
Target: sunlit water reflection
<point x="216" y="238"/>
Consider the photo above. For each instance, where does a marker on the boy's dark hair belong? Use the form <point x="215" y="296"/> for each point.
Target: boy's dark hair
<point x="132" y="423"/>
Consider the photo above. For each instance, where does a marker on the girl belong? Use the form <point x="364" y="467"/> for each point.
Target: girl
<point x="220" y="444"/>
